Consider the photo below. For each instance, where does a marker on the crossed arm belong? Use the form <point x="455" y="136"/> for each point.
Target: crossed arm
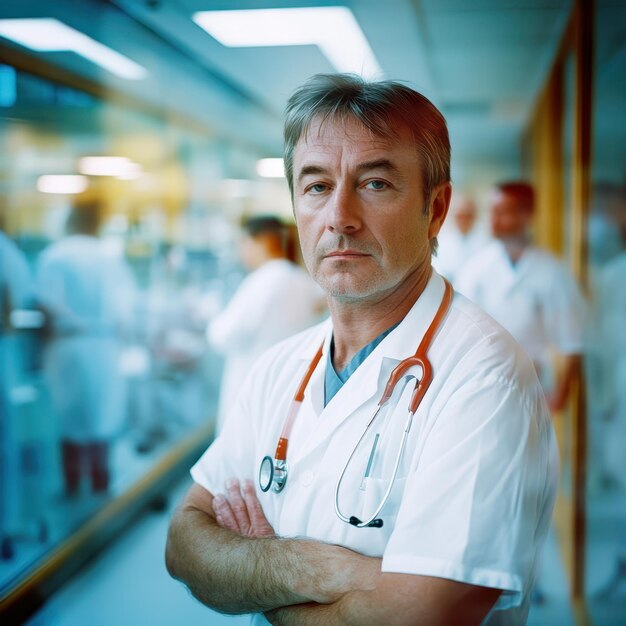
<point x="226" y="552"/>
<point x="250" y="569"/>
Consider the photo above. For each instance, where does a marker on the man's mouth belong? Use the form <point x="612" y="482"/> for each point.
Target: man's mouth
<point x="345" y="254"/>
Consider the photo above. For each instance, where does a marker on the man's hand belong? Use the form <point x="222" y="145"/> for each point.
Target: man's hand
<point x="240" y="510"/>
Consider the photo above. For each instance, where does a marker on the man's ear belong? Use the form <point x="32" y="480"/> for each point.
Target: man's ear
<point x="438" y="210"/>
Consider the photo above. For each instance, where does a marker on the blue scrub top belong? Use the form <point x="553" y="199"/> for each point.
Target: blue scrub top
<point x="334" y="380"/>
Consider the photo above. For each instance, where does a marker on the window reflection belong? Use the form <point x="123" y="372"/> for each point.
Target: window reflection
<point x="107" y="283"/>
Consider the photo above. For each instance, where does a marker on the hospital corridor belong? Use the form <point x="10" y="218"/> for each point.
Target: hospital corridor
<point x="239" y="239"/>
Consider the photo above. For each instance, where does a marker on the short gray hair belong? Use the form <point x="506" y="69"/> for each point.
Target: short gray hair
<point x="381" y="107"/>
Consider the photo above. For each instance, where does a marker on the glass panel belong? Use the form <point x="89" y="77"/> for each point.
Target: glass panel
<point x="104" y="300"/>
<point x="606" y="359"/>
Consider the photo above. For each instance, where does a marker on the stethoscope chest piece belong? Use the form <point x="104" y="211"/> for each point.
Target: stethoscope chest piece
<point x="272" y="474"/>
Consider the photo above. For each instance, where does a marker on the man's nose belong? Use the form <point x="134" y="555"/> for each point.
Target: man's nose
<point x="344" y="211"/>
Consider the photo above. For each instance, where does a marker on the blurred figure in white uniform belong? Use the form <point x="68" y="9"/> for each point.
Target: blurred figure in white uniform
<point x="611" y="305"/>
<point x="16" y="292"/>
<point x="276" y="300"/>
<point x="461" y="237"/>
<point x="88" y="292"/>
<point x="528" y="290"/>
<point x="605" y="240"/>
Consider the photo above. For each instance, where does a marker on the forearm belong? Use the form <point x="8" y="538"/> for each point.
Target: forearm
<point x="311" y="614"/>
<point x="305" y="615"/>
<point x="357" y="608"/>
<point x="235" y="574"/>
<point x="570" y="371"/>
<point x="398" y="600"/>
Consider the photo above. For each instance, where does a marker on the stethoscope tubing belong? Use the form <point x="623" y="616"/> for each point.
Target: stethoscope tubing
<point x="369" y="522"/>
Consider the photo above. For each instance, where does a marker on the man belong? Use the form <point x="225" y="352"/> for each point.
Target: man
<point x="276" y="300"/>
<point x="460" y="240"/>
<point x="528" y="291"/>
<point x="471" y="496"/>
<point x="88" y="293"/>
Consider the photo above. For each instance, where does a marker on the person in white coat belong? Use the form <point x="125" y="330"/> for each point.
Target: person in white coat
<point x="461" y="238"/>
<point x="88" y="293"/>
<point x="302" y="514"/>
<point x="16" y="292"/>
<point x="276" y="299"/>
<point x="528" y="290"/>
<point x="611" y="332"/>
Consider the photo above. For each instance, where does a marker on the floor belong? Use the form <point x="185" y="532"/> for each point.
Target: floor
<point x="99" y="595"/>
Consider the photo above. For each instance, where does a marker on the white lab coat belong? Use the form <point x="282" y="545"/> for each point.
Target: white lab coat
<point x="537" y="300"/>
<point x="476" y="486"/>
<point x="90" y="293"/>
<point x="456" y="249"/>
<point x="272" y="303"/>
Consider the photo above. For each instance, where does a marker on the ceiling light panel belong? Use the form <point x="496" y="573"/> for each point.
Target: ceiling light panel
<point x="333" y="29"/>
<point x="51" y="35"/>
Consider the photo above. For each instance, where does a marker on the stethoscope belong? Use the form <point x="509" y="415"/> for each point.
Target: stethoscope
<point x="273" y="473"/>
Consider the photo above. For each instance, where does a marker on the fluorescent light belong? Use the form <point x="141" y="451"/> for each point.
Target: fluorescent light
<point x="270" y="168"/>
<point x="70" y="183"/>
<point x="50" y="35"/>
<point x="122" y="167"/>
<point x="333" y="29"/>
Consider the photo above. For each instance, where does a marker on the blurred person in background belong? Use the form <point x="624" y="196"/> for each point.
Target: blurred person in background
<point x="88" y="293"/>
<point x="460" y="239"/>
<point x="16" y="292"/>
<point x="611" y="307"/>
<point x="528" y="290"/>
<point x="606" y="238"/>
<point x="530" y="293"/>
<point x="276" y="300"/>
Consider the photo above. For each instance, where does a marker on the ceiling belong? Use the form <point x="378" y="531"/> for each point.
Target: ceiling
<point x="482" y="62"/>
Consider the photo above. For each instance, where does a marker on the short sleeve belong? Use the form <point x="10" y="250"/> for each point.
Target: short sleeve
<point x="565" y="312"/>
<point x="487" y="475"/>
<point x="232" y="453"/>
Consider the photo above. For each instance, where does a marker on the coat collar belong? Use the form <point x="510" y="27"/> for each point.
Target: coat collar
<point x="367" y="383"/>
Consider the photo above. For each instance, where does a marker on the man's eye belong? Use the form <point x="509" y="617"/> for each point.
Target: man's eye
<point x="377" y="185"/>
<point x="318" y="188"/>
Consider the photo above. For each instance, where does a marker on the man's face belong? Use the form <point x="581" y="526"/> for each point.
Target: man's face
<point x="359" y="208"/>
<point x="465" y="215"/>
<point x="508" y="218"/>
